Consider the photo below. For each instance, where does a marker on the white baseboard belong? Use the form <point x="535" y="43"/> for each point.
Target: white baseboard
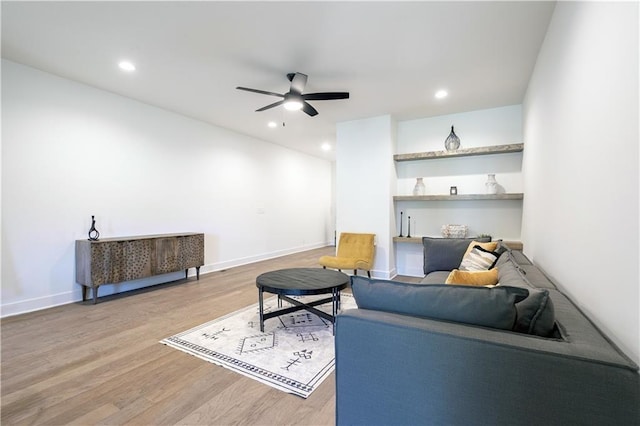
<point x="38" y="303"/>
<point x="219" y="266"/>
<point x="50" y="301"/>
<point x="412" y="271"/>
<point x="384" y="275"/>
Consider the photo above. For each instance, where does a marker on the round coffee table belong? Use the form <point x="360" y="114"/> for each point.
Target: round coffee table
<point x="301" y="282"/>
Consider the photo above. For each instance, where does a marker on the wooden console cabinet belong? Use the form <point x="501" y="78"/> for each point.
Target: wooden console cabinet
<point x="114" y="260"/>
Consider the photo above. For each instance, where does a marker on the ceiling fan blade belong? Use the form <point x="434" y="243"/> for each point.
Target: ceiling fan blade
<point x="275" y="104"/>
<point x="298" y="82"/>
<point x="311" y="111"/>
<point x="325" y="96"/>
<point x="262" y="92"/>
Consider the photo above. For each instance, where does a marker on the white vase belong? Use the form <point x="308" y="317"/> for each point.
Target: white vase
<point x="491" y="185"/>
<point x="419" y="188"/>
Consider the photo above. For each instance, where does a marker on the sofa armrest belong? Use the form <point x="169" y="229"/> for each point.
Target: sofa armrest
<point x="397" y="369"/>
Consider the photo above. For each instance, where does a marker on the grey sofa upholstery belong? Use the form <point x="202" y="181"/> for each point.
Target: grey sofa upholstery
<point x="393" y="368"/>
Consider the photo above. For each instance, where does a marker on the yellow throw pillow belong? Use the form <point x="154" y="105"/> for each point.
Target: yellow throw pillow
<point x="475" y="278"/>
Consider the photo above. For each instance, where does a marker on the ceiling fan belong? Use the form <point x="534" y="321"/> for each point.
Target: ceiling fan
<point x="294" y="99"/>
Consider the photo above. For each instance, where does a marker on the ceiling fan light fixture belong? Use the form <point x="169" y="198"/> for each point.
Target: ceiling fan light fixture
<point x="293" y="105"/>
<point x="294" y="99"/>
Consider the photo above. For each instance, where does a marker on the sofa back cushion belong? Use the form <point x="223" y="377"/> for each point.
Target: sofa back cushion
<point x="445" y="254"/>
<point x="482" y="306"/>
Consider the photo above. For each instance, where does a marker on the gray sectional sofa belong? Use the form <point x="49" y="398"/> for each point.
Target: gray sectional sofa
<point x="520" y="353"/>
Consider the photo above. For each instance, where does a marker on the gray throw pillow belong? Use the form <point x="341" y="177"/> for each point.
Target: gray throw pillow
<point x="445" y="254"/>
<point x="536" y="314"/>
<point x="487" y="307"/>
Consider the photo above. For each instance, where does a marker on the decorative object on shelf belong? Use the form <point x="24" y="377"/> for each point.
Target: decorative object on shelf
<point x="453" y="190"/>
<point x="409" y="227"/>
<point x="419" y="188"/>
<point x="400" y="226"/>
<point x="491" y="185"/>
<point x="93" y="232"/>
<point x="454" y="231"/>
<point x="452" y="142"/>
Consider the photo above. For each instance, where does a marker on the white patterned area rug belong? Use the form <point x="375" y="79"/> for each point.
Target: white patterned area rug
<point x="295" y="353"/>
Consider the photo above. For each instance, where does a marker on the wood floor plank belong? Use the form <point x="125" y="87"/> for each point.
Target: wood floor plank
<point x="92" y="417"/>
<point x="103" y="364"/>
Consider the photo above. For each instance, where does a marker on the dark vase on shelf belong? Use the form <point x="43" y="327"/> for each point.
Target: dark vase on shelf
<point x="452" y="142"/>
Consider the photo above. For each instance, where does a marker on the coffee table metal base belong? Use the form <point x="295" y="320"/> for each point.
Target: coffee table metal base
<point x="287" y="283"/>
<point x="299" y="306"/>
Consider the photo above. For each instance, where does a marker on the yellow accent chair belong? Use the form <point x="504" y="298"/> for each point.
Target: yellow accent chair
<point x="355" y="251"/>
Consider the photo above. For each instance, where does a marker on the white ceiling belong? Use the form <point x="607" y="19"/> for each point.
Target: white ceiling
<point x="190" y="56"/>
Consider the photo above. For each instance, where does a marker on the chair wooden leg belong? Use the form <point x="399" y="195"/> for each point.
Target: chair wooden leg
<point x="369" y="274"/>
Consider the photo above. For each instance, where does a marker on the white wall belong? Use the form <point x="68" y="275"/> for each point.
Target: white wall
<point x="581" y="163"/>
<point x="70" y="151"/>
<point x="365" y="184"/>
<point x="499" y="218"/>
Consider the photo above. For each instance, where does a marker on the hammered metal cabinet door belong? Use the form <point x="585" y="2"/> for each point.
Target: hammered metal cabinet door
<point x="192" y="251"/>
<point x="136" y="259"/>
<point x="107" y="263"/>
<point x="167" y="255"/>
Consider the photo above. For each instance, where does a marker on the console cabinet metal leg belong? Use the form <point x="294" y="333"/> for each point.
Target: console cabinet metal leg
<point x="115" y="260"/>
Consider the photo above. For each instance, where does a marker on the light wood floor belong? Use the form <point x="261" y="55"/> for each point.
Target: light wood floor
<point x="102" y="364"/>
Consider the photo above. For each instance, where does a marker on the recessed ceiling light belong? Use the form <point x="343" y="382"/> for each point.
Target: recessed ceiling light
<point x="272" y="124"/>
<point x="326" y="147"/>
<point x="440" y="94"/>
<point x="127" y="66"/>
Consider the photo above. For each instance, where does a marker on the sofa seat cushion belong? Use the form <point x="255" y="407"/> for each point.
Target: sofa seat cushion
<point x="482" y="306"/>
<point x="436" y="277"/>
<point x="445" y="254"/>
